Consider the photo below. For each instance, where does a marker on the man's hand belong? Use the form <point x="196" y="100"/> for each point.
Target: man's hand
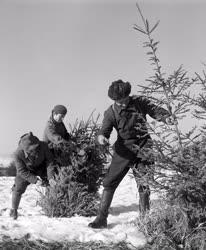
<point x="52" y="182"/>
<point x="171" y="121"/>
<point x="102" y="140"/>
<point x="39" y="181"/>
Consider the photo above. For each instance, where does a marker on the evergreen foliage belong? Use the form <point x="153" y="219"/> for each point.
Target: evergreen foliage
<point x="180" y="157"/>
<point x="80" y="169"/>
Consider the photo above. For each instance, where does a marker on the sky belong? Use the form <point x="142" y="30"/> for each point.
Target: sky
<point x="69" y="51"/>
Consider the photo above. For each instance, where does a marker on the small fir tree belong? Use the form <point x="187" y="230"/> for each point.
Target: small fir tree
<point x="80" y="169"/>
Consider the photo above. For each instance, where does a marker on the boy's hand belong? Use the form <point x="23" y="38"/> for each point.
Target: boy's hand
<point x="171" y="121"/>
<point x="102" y="140"/>
<point x="81" y="152"/>
<point x="52" y="182"/>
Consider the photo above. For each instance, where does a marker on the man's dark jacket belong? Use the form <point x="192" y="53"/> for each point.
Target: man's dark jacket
<point x="130" y="122"/>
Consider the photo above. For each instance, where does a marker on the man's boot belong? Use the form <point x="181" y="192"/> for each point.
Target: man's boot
<point x="13" y="213"/>
<point x="101" y="219"/>
<point x="16" y="197"/>
<point x="144" y="200"/>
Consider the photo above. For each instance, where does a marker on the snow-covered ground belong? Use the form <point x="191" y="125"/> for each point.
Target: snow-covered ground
<point x="33" y="224"/>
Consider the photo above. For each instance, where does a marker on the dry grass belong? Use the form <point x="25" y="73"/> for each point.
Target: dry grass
<point x="25" y="244"/>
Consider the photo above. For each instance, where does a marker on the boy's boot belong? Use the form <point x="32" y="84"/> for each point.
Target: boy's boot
<point x="16" y="197"/>
<point x="144" y="200"/>
<point x="101" y="219"/>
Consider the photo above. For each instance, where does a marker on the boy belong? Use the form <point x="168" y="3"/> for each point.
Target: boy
<point x="34" y="165"/>
<point x="55" y="131"/>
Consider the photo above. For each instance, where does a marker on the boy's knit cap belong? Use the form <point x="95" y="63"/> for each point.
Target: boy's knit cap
<point x="60" y="109"/>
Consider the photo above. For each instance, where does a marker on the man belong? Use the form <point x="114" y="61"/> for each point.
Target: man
<point x="34" y="165"/>
<point x="55" y="131"/>
<point x="128" y="116"/>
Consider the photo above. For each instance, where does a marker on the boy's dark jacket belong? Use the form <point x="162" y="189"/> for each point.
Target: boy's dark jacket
<point x="130" y="121"/>
<point x="28" y="167"/>
<point x="55" y="132"/>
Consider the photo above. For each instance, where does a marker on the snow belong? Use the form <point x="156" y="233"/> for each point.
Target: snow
<point x="36" y="226"/>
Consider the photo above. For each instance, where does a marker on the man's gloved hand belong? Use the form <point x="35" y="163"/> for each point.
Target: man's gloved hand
<point x="102" y="140"/>
<point x="39" y="181"/>
<point x="171" y="121"/>
<point x="52" y="182"/>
